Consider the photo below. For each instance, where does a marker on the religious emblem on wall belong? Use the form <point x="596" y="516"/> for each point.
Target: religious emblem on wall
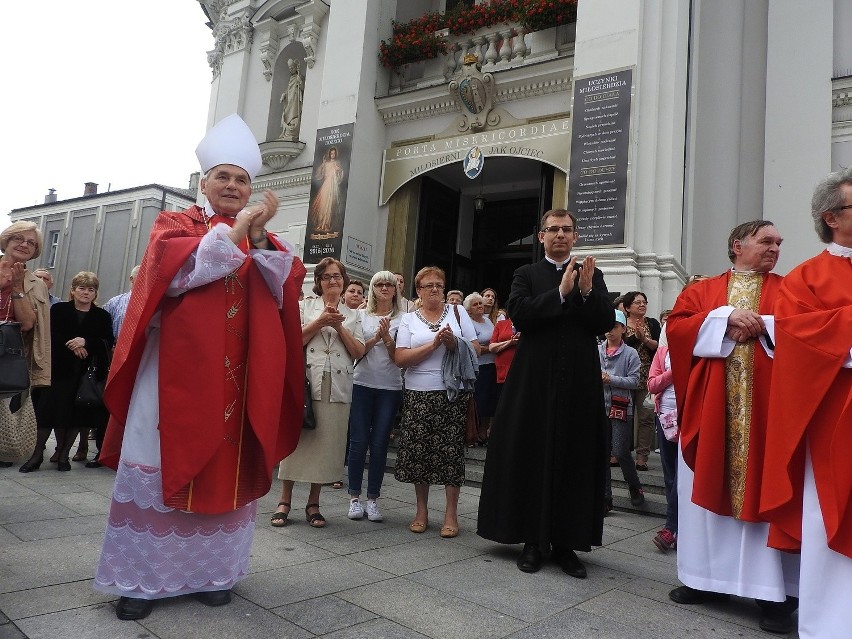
<point x="473" y="163"/>
<point x="329" y="186"/>
<point x="474" y="93"/>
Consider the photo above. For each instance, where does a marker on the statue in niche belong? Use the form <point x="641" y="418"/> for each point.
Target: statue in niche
<point x="291" y="118"/>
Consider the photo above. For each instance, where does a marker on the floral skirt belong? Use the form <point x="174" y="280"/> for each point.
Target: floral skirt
<point x="431" y="443"/>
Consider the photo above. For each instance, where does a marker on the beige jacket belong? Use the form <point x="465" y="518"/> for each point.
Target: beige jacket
<point x="326" y="347"/>
<point x="37" y="340"/>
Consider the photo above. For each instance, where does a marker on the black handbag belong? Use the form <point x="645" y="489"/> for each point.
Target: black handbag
<point x="309" y="422"/>
<point x="14" y="372"/>
<point x="90" y="390"/>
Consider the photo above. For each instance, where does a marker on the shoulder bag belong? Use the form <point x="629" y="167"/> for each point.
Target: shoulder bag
<point x="17" y="429"/>
<point x="14" y="373"/>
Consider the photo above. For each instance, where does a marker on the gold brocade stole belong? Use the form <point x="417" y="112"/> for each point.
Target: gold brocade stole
<point x="743" y="292"/>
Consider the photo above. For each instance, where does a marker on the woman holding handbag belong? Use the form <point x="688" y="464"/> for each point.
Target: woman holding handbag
<point x="81" y="338"/>
<point x="331" y="333"/>
<point x="25" y="309"/>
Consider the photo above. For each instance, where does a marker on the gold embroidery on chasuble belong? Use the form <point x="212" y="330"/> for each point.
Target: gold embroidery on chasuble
<point x="743" y="293"/>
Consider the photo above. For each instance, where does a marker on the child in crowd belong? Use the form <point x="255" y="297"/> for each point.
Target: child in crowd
<point x="620" y="374"/>
<point x="660" y="383"/>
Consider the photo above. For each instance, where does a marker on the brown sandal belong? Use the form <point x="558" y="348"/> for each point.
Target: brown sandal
<point x="279" y="519"/>
<point x="314" y="519"/>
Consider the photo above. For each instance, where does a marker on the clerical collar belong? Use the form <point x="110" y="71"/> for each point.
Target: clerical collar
<point x="838" y="250"/>
<point x="208" y="211"/>
<point x="559" y="265"/>
<point x="734" y="270"/>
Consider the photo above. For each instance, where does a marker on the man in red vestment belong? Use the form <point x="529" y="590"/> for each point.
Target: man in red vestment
<point x="719" y="335"/>
<point x="205" y="389"/>
<point x="807" y="478"/>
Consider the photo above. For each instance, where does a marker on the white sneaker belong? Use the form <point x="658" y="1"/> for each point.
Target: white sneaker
<point x="373" y="512"/>
<point x="356" y="511"/>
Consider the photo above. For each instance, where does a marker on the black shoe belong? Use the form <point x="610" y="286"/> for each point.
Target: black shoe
<point x="129" y="608"/>
<point x="214" y="597"/>
<point x="5" y="464"/>
<point x="777" y="616"/>
<point x="93" y="464"/>
<point x="530" y="559"/>
<point x="782" y="624"/>
<point x="637" y="496"/>
<point x="570" y="563"/>
<point x="690" y="596"/>
<point x="30" y="465"/>
<point x="64" y="465"/>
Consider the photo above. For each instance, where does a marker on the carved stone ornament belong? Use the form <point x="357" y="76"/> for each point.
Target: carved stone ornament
<point x="277" y="153"/>
<point x="473" y="92"/>
<point x="230" y="36"/>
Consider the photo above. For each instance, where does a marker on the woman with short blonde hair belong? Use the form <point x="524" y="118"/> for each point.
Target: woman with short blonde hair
<point x="376" y="394"/>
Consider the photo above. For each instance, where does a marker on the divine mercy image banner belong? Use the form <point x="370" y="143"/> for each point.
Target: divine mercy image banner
<point x="329" y="184"/>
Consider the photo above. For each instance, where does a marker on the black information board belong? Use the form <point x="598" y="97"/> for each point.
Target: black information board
<point x="597" y="180"/>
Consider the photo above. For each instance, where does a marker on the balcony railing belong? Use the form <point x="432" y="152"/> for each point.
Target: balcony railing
<point x="498" y="48"/>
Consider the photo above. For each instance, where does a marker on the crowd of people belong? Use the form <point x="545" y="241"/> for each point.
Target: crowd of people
<point x="64" y="342"/>
<point x="743" y="387"/>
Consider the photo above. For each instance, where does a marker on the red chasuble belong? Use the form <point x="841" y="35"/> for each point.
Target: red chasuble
<point x="231" y="373"/>
<point x="701" y="398"/>
<point x="811" y="403"/>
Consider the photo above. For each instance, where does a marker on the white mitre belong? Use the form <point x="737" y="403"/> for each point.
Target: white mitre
<point x="230" y="141"/>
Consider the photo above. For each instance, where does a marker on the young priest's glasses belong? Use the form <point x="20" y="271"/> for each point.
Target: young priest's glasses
<point x="555" y="229"/>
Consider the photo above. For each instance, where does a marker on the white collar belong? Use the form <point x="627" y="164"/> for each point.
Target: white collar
<point x="838" y="250"/>
<point x="558" y="265"/>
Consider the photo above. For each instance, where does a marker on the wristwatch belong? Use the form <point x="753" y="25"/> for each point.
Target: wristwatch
<point x="17" y="296"/>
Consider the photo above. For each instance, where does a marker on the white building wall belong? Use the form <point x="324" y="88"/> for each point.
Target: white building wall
<point x="798" y="113"/>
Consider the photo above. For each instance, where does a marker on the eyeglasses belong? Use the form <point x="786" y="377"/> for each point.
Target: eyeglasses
<point x="640" y="302"/>
<point x="843" y="208"/>
<point x="330" y="277"/>
<point x="384" y="285"/>
<point x="20" y="239"/>
<point x="555" y="229"/>
<point x="432" y="287"/>
<point x="86" y="289"/>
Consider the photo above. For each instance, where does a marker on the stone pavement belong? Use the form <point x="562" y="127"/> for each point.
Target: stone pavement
<point x="352" y="579"/>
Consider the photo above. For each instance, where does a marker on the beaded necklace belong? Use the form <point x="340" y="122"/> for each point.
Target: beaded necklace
<point x="433" y="326"/>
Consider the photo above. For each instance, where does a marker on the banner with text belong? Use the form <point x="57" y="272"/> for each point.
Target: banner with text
<point x="545" y="141"/>
<point x="329" y="186"/>
<point x="597" y="181"/>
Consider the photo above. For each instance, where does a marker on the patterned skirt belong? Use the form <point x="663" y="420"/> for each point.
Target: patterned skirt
<point x="431" y="443"/>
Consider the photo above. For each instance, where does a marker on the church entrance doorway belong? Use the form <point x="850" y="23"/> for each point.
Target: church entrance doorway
<point x="481" y="247"/>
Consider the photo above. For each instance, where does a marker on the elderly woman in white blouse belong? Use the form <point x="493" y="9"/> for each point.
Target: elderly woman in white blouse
<point x="431" y="446"/>
<point x="333" y="339"/>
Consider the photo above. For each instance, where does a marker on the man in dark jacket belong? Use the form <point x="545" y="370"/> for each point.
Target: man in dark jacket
<point x="537" y="490"/>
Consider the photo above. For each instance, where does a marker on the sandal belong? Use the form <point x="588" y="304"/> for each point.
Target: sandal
<point x="337" y="485"/>
<point x="279" y="519"/>
<point x="314" y="519"/>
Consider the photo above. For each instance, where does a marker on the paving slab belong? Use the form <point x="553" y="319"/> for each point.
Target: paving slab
<point x="324" y="615"/>
<point x="434" y="613"/>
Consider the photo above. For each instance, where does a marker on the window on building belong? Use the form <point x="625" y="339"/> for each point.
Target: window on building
<point x="452" y="4"/>
<point x="52" y="250"/>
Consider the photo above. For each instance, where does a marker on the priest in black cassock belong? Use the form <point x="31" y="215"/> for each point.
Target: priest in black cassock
<point x="548" y="452"/>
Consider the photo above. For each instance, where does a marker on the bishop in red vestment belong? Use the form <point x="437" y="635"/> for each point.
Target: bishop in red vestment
<point x="205" y="390"/>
